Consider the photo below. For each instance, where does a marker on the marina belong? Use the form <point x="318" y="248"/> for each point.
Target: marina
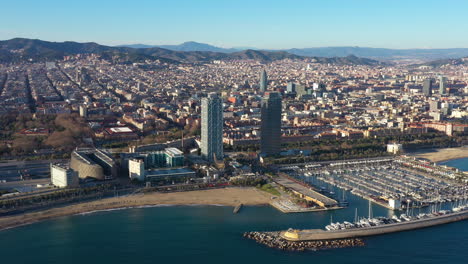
<point x="396" y="184"/>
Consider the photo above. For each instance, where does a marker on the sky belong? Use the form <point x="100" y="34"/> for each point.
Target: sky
<point x="242" y="23"/>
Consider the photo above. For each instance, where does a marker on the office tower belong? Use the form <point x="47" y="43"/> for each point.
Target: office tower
<point x="263" y="81"/>
<point x="302" y="90"/>
<point x="270" y="142"/>
<point x="442" y="84"/>
<point x="434" y="106"/>
<point x="427" y="87"/>
<point x="212" y="128"/>
<point x="291" y="87"/>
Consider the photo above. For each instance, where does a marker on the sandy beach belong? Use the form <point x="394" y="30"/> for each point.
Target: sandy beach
<point x="227" y="196"/>
<point x="438" y="155"/>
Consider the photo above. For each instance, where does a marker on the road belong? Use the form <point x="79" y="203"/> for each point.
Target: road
<point x="24" y="186"/>
<point x="12" y="170"/>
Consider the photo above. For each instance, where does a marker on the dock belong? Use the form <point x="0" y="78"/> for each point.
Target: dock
<point x="304" y="191"/>
<point x="287" y="210"/>
<point x="237" y="208"/>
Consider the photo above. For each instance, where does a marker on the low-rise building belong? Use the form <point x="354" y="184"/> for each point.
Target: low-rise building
<point x="156" y="165"/>
<point x="93" y="163"/>
<point x="63" y="176"/>
<point x="394" y="148"/>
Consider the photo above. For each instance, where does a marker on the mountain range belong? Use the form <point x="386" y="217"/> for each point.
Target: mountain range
<point x="21" y="49"/>
<point x="383" y="54"/>
<point x="188" y="46"/>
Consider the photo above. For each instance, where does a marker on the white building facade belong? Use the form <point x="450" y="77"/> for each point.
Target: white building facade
<point x="62" y="176"/>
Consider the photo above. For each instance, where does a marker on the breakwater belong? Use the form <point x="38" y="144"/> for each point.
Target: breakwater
<point x="237" y="208"/>
<point x="274" y="240"/>
<point x="320" y="234"/>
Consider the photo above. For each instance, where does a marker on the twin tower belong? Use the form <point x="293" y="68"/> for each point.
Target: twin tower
<point x="212" y="124"/>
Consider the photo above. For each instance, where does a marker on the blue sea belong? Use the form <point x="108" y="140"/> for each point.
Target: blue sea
<point x="461" y="164"/>
<point x="213" y="234"/>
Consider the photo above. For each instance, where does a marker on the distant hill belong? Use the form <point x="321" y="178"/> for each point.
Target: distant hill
<point x="444" y="62"/>
<point x="20" y="49"/>
<point x="136" y="46"/>
<point x="262" y="55"/>
<point x="196" y="46"/>
<point x="186" y="46"/>
<point x="382" y="53"/>
<point x="348" y="60"/>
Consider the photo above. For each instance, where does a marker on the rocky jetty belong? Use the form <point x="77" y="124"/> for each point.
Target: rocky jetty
<point x="274" y="240"/>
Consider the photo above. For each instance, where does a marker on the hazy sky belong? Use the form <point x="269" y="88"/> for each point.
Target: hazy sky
<point x="246" y="23"/>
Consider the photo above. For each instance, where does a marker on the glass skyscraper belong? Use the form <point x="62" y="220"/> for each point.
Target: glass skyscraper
<point x="270" y="142"/>
<point x="427" y="87"/>
<point x="212" y="128"/>
<point x="442" y="84"/>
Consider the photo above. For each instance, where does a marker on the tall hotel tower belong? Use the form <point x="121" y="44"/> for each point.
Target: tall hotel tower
<point x="212" y="128"/>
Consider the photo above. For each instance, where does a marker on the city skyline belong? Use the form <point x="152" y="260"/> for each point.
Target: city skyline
<point x="259" y="24"/>
<point x="174" y="131"/>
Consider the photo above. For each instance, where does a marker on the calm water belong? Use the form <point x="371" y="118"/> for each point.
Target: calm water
<point x="462" y="164"/>
<point x="212" y="234"/>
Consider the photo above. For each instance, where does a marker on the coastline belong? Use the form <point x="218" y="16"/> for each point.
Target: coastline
<point x="213" y="197"/>
<point x="440" y="155"/>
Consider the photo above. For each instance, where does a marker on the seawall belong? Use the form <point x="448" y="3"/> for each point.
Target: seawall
<point x="319" y="234"/>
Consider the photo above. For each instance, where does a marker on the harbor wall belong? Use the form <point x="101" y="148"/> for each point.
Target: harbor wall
<point x="319" y="234"/>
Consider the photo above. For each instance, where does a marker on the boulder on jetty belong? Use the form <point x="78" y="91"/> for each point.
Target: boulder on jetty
<point x="274" y="240"/>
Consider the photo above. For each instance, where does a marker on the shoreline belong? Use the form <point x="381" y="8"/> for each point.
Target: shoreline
<point x="446" y="160"/>
<point x="214" y="197"/>
<point x="147" y="206"/>
<point x="442" y="154"/>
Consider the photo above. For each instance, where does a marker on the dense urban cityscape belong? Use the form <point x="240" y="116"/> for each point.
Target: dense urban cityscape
<point x="195" y="151"/>
<point x="210" y="123"/>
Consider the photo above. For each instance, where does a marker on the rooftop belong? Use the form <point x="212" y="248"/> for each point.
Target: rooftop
<point x="120" y="130"/>
<point x="174" y="151"/>
<point x="167" y="171"/>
